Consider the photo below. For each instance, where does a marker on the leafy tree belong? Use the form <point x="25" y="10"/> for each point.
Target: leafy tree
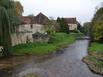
<point x="63" y="25"/>
<point x="5" y="31"/>
<point x="8" y="19"/>
<point x="15" y="13"/>
<point x="10" y="7"/>
<point x="18" y="7"/>
<point x="54" y="24"/>
<point x="86" y="28"/>
<point x="97" y="26"/>
<point x="79" y="27"/>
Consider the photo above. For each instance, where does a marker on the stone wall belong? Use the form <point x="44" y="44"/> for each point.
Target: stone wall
<point x="25" y="33"/>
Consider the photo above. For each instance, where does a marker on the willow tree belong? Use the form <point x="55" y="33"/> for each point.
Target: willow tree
<point x="5" y="31"/>
<point x="8" y="19"/>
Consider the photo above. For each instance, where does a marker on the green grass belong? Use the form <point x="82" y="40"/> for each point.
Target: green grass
<point x="96" y="47"/>
<point x="95" y="61"/>
<point x="59" y="40"/>
<point x="96" y="53"/>
<point x="91" y="58"/>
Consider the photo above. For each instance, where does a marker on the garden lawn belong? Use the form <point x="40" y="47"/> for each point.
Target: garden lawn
<point x="59" y="41"/>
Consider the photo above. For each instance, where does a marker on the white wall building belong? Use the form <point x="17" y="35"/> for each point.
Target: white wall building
<point x="27" y="28"/>
<point x="72" y="23"/>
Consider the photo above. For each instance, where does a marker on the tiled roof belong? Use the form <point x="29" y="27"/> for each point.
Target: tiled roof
<point x="39" y="19"/>
<point x="71" y="20"/>
<point x="25" y="20"/>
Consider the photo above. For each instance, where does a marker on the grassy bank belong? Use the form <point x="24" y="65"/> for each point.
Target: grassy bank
<point x="95" y="58"/>
<point x="59" y="41"/>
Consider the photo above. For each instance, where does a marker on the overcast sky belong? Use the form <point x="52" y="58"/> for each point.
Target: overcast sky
<point x="83" y="10"/>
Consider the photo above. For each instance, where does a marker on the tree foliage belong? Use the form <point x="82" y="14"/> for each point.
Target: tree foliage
<point x="97" y="26"/>
<point x="54" y="24"/>
<point x="18" y="7"/>
<point x="10" y="6"/>
<point x="86" y="28"/>
<point x="8" y="20"/>
<point x="79" y="27"/>
<point x="5" y="40"/>
<point x="63" y="25"/>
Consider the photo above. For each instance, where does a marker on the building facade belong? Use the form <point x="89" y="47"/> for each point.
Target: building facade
<point x="72" y="23"/>
<point x="28" y="27"/>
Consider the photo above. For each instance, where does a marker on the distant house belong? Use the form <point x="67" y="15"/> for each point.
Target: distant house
<point x="72" y="23"/>
<point x="29" y="26"/>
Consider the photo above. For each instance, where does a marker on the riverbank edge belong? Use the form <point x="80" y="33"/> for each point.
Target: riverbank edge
<point x="10" y="62"/>
<point x="91" y="65"/>
<point x="94" y="70"/>
<point x="93" y="58"/>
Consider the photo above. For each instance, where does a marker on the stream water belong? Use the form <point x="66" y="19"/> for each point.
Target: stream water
<point x="66" y="64"/>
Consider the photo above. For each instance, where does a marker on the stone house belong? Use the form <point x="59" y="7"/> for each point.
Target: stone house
<point x="72" y="23"/>
<point x="29" y="26"/>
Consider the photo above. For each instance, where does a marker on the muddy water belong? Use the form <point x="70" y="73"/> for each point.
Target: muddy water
<point x="66" y="64"/>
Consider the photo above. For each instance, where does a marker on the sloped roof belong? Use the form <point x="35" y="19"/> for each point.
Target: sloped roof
<point x="71" y="20"/>
<point x="25" y="20"/>
<point x="39" y="19"/>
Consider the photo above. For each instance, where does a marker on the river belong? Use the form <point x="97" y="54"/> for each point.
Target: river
<point x="65" y="64"/>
